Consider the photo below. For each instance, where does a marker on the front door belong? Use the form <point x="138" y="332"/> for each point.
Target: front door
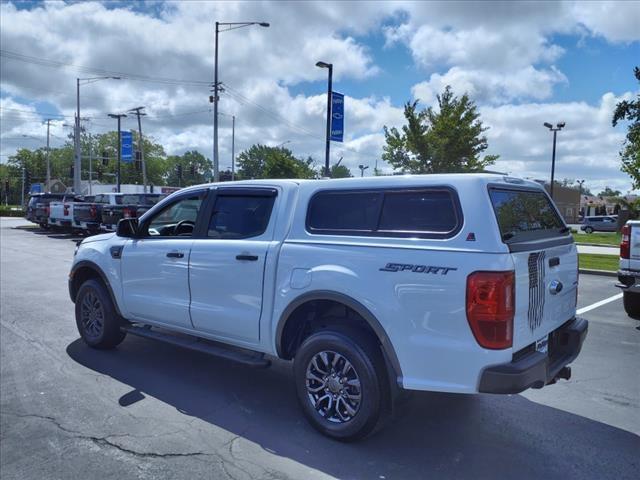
<point x="226" y="269"/>
<point x="155" y="266"/>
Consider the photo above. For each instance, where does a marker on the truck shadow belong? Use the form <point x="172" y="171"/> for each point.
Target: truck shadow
<point x="435" y="435"/>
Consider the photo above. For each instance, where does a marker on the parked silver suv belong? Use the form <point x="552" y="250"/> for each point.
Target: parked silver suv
<point x="602" y="223"/>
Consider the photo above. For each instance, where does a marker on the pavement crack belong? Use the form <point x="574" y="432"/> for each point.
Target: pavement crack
<point x="105" y="442"/>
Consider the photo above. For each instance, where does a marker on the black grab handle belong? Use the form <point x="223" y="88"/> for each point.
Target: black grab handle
<point x="251" y="258"/>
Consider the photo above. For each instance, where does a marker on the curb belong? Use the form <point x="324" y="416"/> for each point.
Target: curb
<point x="604" y="273"/>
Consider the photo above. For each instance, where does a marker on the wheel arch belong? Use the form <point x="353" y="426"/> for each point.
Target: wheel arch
<point x="327" y="295"/>
<point x="85" y="270"/>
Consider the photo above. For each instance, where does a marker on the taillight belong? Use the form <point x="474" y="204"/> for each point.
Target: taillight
<point x="66" y="210"/>
<point x="625" y="243"/>
<point x="127" y="213"/>
<point x="46" y="211"/>
<point x="93" y="211"/>
<point x="490" y="308"/>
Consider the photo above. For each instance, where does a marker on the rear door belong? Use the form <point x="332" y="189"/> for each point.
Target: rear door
<point x="226" y="269"/>
<point x="545" y="260"/>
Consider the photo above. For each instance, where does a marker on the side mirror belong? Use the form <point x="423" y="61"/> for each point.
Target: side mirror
<point x="127" y="227"/>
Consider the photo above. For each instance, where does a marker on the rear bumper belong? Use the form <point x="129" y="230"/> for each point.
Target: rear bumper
<point x="537" y="369"/>
<point x="628" y="281"/>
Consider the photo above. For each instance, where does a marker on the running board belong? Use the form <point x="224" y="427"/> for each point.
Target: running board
<point x="240" y="355"/>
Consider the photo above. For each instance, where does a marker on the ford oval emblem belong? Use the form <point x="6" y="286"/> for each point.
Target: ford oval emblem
<point x="555" y="287"/>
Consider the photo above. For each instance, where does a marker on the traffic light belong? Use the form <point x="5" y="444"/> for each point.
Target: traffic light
<point x="105" y="158"/>
<point x="27" y="180"/>
<point x="179" y="171"/>
<point x="138" y="165"/>
<point x="138" y="156"/>
<point x="71" y="171"/>
<point x="99" y="174"/>
<point x="192" y="169"/>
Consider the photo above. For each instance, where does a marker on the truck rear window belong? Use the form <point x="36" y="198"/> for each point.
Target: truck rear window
<point x="525" y="215"/>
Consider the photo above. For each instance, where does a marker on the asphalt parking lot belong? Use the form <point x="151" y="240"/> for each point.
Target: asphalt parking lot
<point x="149" y="410"/>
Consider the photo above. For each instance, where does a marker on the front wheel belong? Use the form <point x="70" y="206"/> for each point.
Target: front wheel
<point x="96" y="317"/>
<point x="631" y="303"/>
<point x="340" y="382"/>
<point x="588" y="230"/>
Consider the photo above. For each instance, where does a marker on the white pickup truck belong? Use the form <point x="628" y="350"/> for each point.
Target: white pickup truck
<point x="460" y="283"/>
<point x="629" y="273"/>
<point x="61" y="212"/>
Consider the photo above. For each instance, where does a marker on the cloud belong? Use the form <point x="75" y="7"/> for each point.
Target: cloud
<point x="614" y="21"/>
<point x="586" y="148"/>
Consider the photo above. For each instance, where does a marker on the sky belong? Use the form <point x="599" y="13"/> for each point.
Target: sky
<point x="523" y="63"/>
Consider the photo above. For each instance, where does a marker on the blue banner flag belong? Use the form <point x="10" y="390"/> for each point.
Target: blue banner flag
<point x="126" y="147"/>
<point x="337" y="117"/>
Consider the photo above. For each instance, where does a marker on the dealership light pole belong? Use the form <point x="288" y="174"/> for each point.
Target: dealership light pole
<point x="139" y="113"/>
<point x="118" y="116"/>
<point x="559" y="126"/>
<point x="78" y="154"/>
<point x="329" y="66"/>
<point x="228" y="26"/>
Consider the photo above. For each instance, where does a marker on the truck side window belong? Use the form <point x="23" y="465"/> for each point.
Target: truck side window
<point x="239" y="216"/>
<point x="177" y="219"/>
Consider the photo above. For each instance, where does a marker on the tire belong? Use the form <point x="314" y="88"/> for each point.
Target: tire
<point x="96" y="317"/>
<point x="330" y="416"/>
<point x="588" y="230"/>
<point x="631" y="303"/>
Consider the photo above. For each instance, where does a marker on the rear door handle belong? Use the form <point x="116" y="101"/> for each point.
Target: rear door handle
<point x="175" y="255"/>
<point x="251" y="258"/>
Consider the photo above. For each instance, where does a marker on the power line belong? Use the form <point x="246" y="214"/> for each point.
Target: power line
<point x="98" y="71"/>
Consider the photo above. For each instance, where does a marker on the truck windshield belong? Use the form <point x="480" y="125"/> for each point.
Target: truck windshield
<point x="525" y="215"/>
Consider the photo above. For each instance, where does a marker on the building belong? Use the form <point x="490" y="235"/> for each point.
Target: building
<point x="568" y="201"/>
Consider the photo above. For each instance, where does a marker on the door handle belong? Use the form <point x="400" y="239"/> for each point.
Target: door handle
<point x="175" y="255"/>
<point x="251" y="258"/>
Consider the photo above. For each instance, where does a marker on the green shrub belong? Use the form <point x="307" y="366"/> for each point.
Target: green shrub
<point x="11" y="211"/>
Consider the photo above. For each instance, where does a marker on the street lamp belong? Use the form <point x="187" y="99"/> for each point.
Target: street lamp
<point x="328" y="66"/>
<point x="559" y="126"/>
<point x="230" y="26"/>
<point x="362" y="169"/>
<point x="78" y="162"/>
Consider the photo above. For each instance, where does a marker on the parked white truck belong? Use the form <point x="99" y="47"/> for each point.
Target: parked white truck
<point x="449" y="283"/>
<point x="629" y="273"/>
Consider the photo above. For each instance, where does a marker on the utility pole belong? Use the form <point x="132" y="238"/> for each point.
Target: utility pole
<point x="233" y="147"/>
<point x="90" y="162"/>
<point x="22" y="198"/>
<point x="216" y="167"/>
<point x="139" y="113"/>
<point x="118" y="117"/>
<point x="77" y="164"/>
<point x="48" y="184"/>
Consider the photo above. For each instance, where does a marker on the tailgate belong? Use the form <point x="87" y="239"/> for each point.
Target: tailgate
<point x="546" y="292"/>
<point x="111" y="214"/>
<point x="634" y="253"/>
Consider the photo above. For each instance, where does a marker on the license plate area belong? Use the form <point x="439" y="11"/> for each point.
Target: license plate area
<point x="542" y="345"/>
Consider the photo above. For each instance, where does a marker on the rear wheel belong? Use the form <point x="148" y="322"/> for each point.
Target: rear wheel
<point x="588" y="229"/>
<point x="340" y="382"/>
<point x="631" y="304"/>
<point x="96" y="317"/>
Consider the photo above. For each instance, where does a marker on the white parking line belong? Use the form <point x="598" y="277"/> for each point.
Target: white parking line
<point x="598" y="304"/>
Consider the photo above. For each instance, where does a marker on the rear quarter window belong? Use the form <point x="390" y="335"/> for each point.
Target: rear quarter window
<point x="423" y="213"/>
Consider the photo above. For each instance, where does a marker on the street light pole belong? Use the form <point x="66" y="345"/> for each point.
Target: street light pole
<point x="559" y="126"/>
<point x="118" y="117"/>
<point x="362" y="169"/>
<point x="216" y="88"/>
<point x="48" y="184"/>
<point x="329" y="66"/>
<point x="233" y="147"/>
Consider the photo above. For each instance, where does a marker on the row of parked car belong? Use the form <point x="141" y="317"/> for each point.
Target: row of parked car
<point x="87" y="214"/>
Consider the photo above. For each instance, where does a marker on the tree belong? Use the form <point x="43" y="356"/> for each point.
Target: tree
<point x="261" y="161"/>
<point x="340" y="171"/>
<point x="447" y="139"/>
<point x="196" y="168"/>
<point x="608" y="192"/>
<point x="630" y="153"/>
